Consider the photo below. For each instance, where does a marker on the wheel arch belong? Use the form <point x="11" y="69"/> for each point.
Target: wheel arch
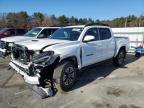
<point x="71" y="58"/>
<point x="122" y="47"/>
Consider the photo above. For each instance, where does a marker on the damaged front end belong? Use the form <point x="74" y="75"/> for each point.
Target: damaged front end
<point x="36" y="69"/>
<point x="5" y="48"/>
<point x="44" y="64"/>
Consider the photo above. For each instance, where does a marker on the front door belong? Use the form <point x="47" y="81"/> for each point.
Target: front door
<point x="91" y="51"/>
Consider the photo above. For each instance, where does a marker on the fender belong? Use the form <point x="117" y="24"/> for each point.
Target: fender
<point x="72" y="58"/>
<point x="48" y="46"/>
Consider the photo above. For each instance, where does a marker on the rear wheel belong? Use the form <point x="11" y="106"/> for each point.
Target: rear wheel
<point x="65" y="75"/>
<point x="119" y="59"/>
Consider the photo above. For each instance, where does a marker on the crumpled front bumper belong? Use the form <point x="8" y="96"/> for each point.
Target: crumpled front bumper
<point x="32" y="72"/>
<point x="34" y="80"/>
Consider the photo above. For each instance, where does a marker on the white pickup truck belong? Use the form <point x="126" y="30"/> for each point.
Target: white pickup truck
<point x="38" y="32"/>
<point x="67" y="50"/>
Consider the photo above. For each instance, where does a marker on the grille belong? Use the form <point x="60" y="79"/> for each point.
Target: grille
<point x="21" y="54"/>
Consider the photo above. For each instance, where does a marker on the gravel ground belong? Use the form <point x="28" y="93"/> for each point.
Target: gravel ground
<point x="102" y="86"/>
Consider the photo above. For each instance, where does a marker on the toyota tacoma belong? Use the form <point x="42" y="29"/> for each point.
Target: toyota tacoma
<point x="67" y="51"/>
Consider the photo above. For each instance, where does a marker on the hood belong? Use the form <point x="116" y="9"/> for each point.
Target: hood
<point x="16" y="38"/>
<point x="38" y="44"/>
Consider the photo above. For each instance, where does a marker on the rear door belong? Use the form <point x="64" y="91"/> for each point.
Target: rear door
<point x="108" y="43"/>
<point x="91" y="51"/>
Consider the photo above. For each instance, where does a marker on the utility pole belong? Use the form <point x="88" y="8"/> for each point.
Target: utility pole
<point x="126" y="22"/>
<point x="139" y="21"/>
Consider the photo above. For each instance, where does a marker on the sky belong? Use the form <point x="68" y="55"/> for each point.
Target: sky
<point x="95" y="9"/>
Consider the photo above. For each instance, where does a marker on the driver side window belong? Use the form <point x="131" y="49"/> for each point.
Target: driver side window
<point x="92" y="32"/>
<point x="45" y="33"/>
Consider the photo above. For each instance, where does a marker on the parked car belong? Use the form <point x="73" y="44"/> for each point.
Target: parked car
<point x="7" y="32"/>
<point x="139" y="51"/>
<point x="38" y="32"/>
<point x="67" y="50"/>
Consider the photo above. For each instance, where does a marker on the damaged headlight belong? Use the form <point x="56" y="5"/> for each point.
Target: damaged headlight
<point x="37" y="52"/>
<point x="43" y="57"/>
<point x="11" y="44"/>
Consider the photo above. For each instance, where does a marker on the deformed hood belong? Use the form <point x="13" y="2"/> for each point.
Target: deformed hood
<point x="16" y="38"/>
<point x="38" y="44"/>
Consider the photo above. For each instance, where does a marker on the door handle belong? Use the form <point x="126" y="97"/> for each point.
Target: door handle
<point x="89" y="54"/>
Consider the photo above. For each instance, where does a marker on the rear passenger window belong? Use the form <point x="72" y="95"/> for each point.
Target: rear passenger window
<point x="104" y="33"/>
<point x="93" y="32"/>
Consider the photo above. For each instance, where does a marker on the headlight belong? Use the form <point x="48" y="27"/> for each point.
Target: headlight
<point x="11" y="44"/>
<point x="37" y="52"/>
<point x="42" y="57"/>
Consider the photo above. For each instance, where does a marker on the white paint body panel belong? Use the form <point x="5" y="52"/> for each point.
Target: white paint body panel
<point x="16" y="39"/>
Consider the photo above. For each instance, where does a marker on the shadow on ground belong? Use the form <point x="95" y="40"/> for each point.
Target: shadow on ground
<point x="99" y="71"/>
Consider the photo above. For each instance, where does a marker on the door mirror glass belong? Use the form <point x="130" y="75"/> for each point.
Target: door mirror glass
<point x="89" y="38"/>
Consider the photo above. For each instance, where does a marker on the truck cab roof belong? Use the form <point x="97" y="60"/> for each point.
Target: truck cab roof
<point x="89" y="25"/>
<point x="48" y="27"/>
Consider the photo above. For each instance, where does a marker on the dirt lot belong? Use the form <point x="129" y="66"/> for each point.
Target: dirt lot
<point x="102" y="86"/>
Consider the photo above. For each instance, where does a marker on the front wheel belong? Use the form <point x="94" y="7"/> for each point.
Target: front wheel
<point x="119" y="59"/>
<point x="65" y="75"/>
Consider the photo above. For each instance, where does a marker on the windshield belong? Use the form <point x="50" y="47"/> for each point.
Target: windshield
<point x="32" y="33"/>
<point x="71" y="34"/>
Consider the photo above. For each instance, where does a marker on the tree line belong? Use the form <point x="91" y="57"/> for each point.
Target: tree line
<point x="23" y="20"/>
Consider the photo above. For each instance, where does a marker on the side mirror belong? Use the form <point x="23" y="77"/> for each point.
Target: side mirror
<point x="89" y="38"/>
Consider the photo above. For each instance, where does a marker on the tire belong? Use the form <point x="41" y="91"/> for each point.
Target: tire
<point x="119" y="59"/>
<point x="65" y="75"/>
<point x="137" y="55"/>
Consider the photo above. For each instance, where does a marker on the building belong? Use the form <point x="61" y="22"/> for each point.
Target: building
<point x="135" y="35"/>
